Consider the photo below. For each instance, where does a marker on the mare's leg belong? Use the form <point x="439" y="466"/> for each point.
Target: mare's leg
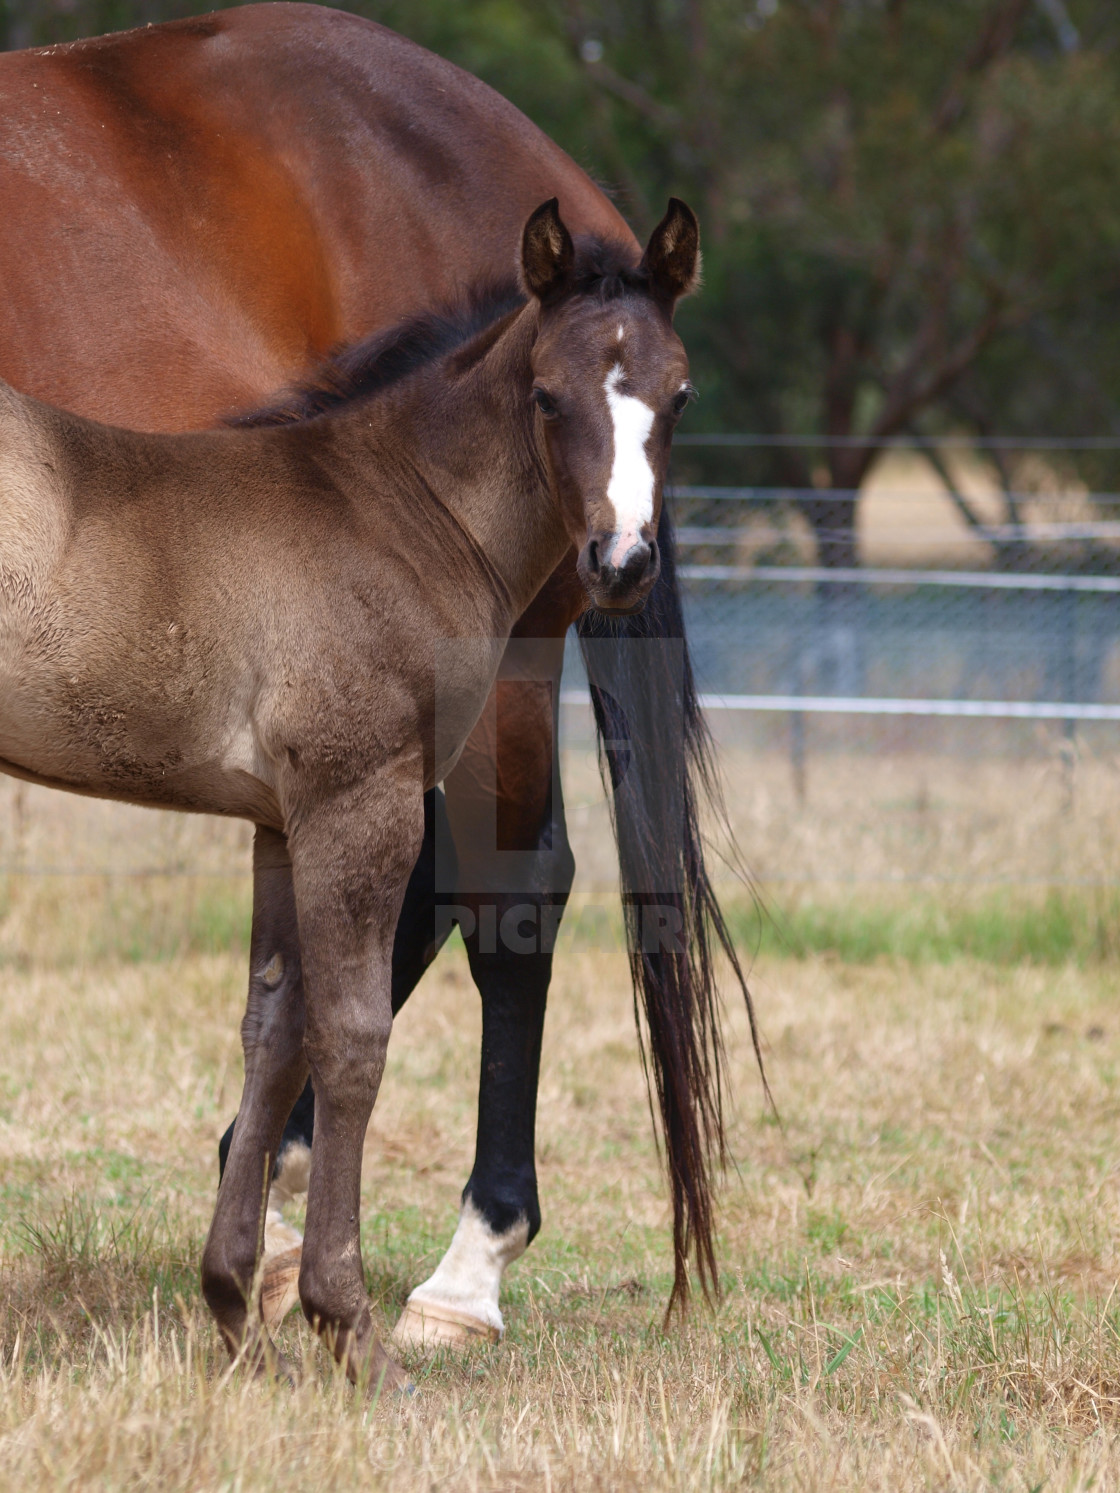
<point x="516" y="868"/>
<point x="351" y="860"/>
<point x="275" y="1070"/>
<point x="417" y="940"/>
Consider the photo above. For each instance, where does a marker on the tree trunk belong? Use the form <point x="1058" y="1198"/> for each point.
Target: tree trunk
<point x="832" y="518"/>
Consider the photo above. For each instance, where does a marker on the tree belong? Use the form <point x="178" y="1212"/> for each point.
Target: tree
<point x="892" y="194"/>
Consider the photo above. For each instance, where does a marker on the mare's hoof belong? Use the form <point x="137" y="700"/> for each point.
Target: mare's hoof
<point x="424" y="1324"/>
<point x="280" y="1286"/>
<point x="283" y="1247"/>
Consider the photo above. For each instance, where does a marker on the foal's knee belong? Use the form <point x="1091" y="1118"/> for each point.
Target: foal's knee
<point x="348" y="1057"/>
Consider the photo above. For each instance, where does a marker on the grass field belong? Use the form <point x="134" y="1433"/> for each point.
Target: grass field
<point x="919" y="1266"/>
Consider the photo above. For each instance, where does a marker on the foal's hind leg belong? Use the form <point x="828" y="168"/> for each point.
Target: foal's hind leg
<point x="275" y="1070"/>
<point x="282" y="1241"/>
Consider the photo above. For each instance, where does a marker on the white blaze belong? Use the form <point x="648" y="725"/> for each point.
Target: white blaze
<point x="630" y="490"/>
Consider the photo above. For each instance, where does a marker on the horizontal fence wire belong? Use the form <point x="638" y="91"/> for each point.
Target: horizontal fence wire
<point x="900" y="576"/>
<point x="770" y="494"/>
<point x="1030" y="534"/>
<point x="1008" y="710"/>
<point x="904" y="442"/>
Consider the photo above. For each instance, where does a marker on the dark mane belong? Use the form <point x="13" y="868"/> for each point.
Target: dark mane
<point x="604" y="267"/>
<point x="383" y="359"/>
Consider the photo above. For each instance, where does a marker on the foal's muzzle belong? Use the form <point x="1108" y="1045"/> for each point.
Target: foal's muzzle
<point x="618" y="583"/>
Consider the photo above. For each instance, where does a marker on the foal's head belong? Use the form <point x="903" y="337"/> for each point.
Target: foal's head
<point x="610" y="381"/>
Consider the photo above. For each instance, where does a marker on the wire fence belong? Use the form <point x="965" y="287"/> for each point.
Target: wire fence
<point x="944" y="710"/>
<point x="955" y="587"/>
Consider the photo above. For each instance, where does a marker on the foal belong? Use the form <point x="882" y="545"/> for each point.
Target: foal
<point x="253" y="622"/>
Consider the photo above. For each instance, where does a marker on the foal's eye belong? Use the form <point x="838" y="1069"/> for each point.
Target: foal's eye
<point x="681" y="399"/>
<point x="545" y="403"/>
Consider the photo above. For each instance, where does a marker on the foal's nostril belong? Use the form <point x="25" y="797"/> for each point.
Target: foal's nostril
<point x="619" y="581"/>
<point x="637" y="563"/>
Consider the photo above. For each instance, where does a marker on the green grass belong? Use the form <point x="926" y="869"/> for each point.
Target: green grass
<point x="918" y="1266"/>
<point x="1003" y="927"/>
<point x="951" y="1380"/>
<point x="119" y="918"/>
<point x="136" y="921"/>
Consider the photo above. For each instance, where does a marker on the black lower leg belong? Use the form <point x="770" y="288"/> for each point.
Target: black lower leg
<point x="513" y="983"/>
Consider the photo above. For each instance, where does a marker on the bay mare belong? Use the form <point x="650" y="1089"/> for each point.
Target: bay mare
<point x="243" y="191"/>
<point x="250" y="622"/>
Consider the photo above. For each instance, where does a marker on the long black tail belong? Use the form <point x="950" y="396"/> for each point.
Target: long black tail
<point x="656" y="756"/>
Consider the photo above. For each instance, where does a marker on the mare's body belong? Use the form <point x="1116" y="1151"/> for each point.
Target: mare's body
<point x="197" y="213"/>
<point x="253" y="622"/>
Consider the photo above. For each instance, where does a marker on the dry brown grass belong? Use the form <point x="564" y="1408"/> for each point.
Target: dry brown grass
<point x="919" y="1271"/>
<point x="970" y="802"/>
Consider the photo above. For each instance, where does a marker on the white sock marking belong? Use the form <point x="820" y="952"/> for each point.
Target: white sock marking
<point x="279" y="1235"/>
<point x="294" y="1174"/>
<point x="630" y="490"/>
<point x="469" y="1276"/>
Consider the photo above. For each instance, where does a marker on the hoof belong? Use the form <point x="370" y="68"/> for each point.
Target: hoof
<point x="385" y="1375"/>
<point x="424" y="1324"/>
<point x="274" y="1368"/>
<point x="280" y="1286"/>
<point x="283" y="1247"/>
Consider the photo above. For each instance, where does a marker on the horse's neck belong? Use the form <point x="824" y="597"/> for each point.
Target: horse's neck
<point x="486" y="461"/>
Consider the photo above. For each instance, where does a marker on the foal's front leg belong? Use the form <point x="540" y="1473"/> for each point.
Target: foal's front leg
<point x="351" y="861"/>
<point x="419" y="936"/>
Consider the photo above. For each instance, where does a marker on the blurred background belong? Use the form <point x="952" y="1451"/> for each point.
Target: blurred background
<point x="898" y="498"/>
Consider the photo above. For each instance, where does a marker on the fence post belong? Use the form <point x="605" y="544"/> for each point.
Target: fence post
<point x="797" y="754"/>
<point x="1068" y="749"/>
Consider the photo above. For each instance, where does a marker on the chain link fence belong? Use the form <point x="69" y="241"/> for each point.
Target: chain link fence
<point x="944" y="713"/>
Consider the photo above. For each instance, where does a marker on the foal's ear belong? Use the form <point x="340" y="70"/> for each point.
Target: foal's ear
<point x="547" y="254"/>
<point x="672" y="257"/>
